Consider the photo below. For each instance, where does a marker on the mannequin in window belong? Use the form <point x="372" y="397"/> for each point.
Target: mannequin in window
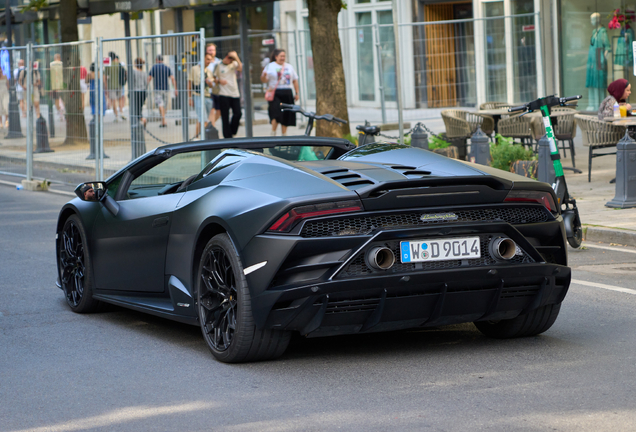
<point x="596" y="80"/>
<point x="624" y="56"/>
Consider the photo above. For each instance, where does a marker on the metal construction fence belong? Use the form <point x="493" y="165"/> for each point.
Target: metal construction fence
<point x="85" y="109"/>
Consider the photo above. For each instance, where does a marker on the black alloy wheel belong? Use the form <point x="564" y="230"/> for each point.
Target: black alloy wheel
<point x="74" y="267"/>
<point x="217" y="301"/>
<point x="224" y="307"/>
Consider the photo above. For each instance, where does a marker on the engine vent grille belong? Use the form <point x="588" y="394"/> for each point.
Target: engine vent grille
<point x="348" y="179"/>
<point x="367" y="224"/>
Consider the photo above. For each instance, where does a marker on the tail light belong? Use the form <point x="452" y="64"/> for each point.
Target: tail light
<point x="288" y="220"/>
<point x="539" y="197"/>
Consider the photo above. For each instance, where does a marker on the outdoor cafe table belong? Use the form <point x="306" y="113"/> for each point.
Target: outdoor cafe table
<point x="495" y="113"/>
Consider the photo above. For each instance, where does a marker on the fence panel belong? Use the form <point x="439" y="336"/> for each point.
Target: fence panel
<point x="150" y="95"/>
<point x="13" y="148"/>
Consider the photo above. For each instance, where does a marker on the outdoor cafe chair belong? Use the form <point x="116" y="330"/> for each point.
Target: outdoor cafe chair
<point x="598" y="134"/>
<point x="463" y="124"/>
<point x="564" y="126"/>
<point x="493" y="105"/>
<point x="517" y="127"/>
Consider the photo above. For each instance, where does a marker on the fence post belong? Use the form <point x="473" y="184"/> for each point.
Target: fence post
<point x="479" y="148"/>
<point x="419" y="137"/>
<point x="99" y="98"/>
<point x="29" y="119"/>
<point x="202" y="107"/>
<point x="378" y="48"/>
<point x="625" y="196"/>
<point x="300" y="66"/>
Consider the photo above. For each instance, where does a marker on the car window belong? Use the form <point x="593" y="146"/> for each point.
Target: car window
<point x="299" y="153"/>
<point x="169" y="175"/>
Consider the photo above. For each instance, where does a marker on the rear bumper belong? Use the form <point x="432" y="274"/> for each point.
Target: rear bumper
<point x="419" y="299"/>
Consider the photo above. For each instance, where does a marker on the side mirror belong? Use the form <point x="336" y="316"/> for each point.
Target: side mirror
<point x="91" y="191"/>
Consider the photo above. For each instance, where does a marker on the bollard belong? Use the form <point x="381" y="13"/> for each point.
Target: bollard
<point x="546" y="167"/>
<point x="419" y="137"/>
<point x="41" y="136"/>
<point x="480" y="148"/>
<point x="92" y="133"/>
<point x="625" y="174"/>
<point x="138" y="143"/>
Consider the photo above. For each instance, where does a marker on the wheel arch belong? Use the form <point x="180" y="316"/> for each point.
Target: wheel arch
<point x="208" y="231"/>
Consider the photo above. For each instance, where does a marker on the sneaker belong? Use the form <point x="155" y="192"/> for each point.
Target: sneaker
<point x="123" y="117"/>
<point x="116" y="120"/>
<point x="273" y="133"/>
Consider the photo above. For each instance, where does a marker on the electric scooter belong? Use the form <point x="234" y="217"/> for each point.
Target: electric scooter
<point x="569" y="211"/>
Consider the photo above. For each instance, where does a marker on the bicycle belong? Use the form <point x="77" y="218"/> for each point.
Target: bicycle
<point x="311" y="116"/>
<point x="570" y="212"/>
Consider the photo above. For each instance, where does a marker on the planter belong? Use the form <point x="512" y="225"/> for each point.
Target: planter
<point x="526" y="168"/>
<point x="450" y="151"/>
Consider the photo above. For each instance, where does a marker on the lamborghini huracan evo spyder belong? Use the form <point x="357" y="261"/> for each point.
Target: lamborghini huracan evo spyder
<point x="252" y="239"/>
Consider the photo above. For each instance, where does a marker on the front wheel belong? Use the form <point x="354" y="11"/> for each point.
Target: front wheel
<point x="573" y="229"/>
<point x="74" y="267"/>
<point x="225" y="309"/>
<point x="530" y="324"/>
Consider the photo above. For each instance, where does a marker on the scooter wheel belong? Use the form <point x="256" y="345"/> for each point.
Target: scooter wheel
<point x="577" y="237"/>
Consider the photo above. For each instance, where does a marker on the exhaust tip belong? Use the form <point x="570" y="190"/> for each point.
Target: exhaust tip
<point x="380" y="258"/>
<point x="503" y="248"/>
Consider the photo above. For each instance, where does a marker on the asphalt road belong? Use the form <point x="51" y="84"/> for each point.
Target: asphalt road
<point x="122" y="370"/>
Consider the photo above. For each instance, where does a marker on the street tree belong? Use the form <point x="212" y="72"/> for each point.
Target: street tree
<point x="72" y="94"/>
<point x="331" y="91"/>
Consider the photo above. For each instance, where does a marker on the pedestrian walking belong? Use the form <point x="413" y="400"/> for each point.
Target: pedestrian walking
<point x="138" y="90"/>
<point x="229" y="95"/>
<point x="194" y="90"/>
<point x="280" y="78"/>
<point x="160" y="73"/>
<point x="36" y="84"/>
<point x="92" y="86"/>
<point x="215" y="113"/>
<point x="57" y="84"/>
<point x="114" y="84"/>
<point x="18" y="88"/>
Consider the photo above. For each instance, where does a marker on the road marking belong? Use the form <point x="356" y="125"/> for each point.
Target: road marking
<point x="607" y="287"/>
<point x="609" y="248"/>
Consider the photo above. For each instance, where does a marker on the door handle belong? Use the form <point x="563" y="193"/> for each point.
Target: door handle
<point x="159" y="222"/>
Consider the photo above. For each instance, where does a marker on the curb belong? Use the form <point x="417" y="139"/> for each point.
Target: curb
<point x="53" y="191"/>
<point x="609" y="235"/>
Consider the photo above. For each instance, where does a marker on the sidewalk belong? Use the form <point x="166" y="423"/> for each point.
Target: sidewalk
<point x="70" y="164"/>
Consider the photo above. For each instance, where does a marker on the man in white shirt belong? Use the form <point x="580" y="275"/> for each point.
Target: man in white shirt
<point x="230" y="98"/>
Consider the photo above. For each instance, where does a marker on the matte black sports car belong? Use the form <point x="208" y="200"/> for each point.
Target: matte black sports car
<point x="315" y="236"/>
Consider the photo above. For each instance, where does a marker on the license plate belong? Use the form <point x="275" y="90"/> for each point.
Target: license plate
<point x="440" y="249"/>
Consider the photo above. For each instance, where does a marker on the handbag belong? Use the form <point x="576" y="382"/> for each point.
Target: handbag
<point x="216" y="88"/>
<point x="270" y="93"/>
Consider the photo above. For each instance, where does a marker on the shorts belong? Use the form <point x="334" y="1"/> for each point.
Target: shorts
<point x="35" y="95"/>
<point x="83" y="86"/>
<point x="123" y="92"/>
<point x="162" y="97"/>
<point x="113" y="94"/>
<point x="19" y="94"/>
<point x="216" y="102"/>
<point x="197" y="107"/>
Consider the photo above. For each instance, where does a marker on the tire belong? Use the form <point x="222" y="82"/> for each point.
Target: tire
<point x="225" y="309"/>
<point x="530" y="324"/>
<point x="74" y="267"/>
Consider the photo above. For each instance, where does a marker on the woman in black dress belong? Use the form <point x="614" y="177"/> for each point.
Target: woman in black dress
<point x="283" y="80"/>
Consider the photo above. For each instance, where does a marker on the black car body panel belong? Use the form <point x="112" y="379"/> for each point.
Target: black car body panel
<point x="315" y="279"/>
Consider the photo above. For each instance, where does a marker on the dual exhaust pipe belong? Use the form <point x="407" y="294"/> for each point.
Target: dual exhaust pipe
<point x="383" y="258"/>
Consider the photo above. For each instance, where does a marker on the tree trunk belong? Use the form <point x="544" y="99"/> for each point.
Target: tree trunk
<point x="72" y="94"/>
<point x="331" y="92"/>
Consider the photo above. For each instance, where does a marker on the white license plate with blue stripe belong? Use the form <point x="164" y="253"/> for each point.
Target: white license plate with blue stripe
<point x="440" y="249"/>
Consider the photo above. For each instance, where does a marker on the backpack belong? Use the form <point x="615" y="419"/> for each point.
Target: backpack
<point x="123" y="76"/>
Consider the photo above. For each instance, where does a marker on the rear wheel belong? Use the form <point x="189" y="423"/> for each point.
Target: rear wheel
<point x="530" y="324"/>
<point x="225" y="309"/>
<point x="74" y="267"/>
